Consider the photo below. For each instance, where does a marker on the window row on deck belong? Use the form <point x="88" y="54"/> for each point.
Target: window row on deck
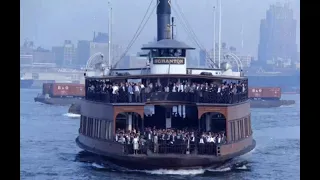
<point x="240" y="128"/>
<point x="96" y="128"/>
<point x="166" y="89"/>
<point x="103" y="129"/>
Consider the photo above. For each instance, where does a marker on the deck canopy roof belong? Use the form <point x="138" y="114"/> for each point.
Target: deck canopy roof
<point x="191" y="76"/>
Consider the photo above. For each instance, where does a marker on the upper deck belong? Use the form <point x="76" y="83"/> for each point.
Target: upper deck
<point x="167" y="88"/>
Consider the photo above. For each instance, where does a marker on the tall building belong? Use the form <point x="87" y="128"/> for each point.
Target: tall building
<point x="278" y="35"/>
<point x="58" y="53"/>
<point x="83" y="52"/>
<point x="69" y="53"/>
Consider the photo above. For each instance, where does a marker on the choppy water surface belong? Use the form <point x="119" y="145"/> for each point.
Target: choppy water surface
<point x="48" y="149"/>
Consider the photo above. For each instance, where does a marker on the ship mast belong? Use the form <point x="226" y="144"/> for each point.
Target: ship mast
<point x="109" y="34"/>
<point x="214" y="34"/>
<point x="219" y="37"/>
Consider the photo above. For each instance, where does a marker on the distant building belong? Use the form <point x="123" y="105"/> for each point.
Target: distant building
<point x="26" y="56"/>
<point x="99" y="48"/>
<point x="83" y="52"/>
<point x="227" y="54"/>
<point x="26" y="53"/>
<point x="58" y="52"/>
<point x="245" y="60"/>
<point x="278" y="36"/>
<point x="202" y="58"/>
<point x="26" y="59"/>
<point x="116" y="53"/>
<point x="69" y="53"/>
<point x="132" y="61"/>
<point x="101" y="37"/>
<point x="43" y="56"/>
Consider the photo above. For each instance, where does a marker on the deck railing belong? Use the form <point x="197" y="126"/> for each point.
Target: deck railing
<point x="149" y="148"/>
<point x="203" y="97"/>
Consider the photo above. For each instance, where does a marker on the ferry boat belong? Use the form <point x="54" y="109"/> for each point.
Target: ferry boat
<point x="167" y="115"/>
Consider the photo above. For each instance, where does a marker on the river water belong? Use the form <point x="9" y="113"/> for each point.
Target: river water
<point x="48" y="149"/>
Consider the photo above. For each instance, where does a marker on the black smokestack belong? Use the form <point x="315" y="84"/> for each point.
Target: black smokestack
<point x="163" y="18"/>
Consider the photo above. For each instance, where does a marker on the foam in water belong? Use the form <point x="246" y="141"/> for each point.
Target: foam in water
<point x="71" y="115"/>
<point x="158" y="171"/>
<point x="287" y="106"/>
<point x="98" y="166"/>
<point x="180" y="172"/>
<point x="244" y="167"/>
<point x="220" y="169"/>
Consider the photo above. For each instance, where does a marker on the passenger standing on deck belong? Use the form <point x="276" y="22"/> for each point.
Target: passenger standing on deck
<point x="174" y="88"/>
<point x="155" y="142"/>
<point x="166" y="89"/>
<point x="130" y="93"/>
<point x="197" y="93"/>
<point x="201" y="145"/>
<point x="142" y="90"/>
<point x="219" y="139"/>
<point x="115" y="93"/>
<point x="135" y="145"/>
<point x="137" y="92"/>
<point x="219" y="93"/>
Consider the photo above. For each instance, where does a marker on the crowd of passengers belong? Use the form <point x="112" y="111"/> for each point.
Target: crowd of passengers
<point x="165" y="141"/>
<point x="101" y="90"/>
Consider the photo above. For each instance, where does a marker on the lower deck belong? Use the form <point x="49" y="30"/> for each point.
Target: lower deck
<point x="112" y="151"/>
<point x="234" y="120"/>
<point x="158" y="130"/>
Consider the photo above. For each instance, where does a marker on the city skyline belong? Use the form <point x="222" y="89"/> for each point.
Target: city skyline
<point x="278" y="36"/>
<point x="79" y="22"/>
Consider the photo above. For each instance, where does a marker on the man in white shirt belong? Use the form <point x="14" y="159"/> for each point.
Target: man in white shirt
<point x="142" y="91"/>
<point x="137" y="92"/>
<point x="115" y="89"/>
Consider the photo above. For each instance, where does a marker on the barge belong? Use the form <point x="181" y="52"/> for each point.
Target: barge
<point x="267" y="97"/>
<point x="61" y="93"/>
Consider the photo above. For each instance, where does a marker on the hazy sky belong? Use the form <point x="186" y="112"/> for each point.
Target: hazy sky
<point x="50" y="22"/>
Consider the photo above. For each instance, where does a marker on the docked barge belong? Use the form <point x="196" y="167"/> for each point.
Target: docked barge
<point x="166" y="115"/>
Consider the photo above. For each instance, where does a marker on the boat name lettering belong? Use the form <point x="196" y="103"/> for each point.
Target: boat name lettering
<point x="168" y="61"/>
